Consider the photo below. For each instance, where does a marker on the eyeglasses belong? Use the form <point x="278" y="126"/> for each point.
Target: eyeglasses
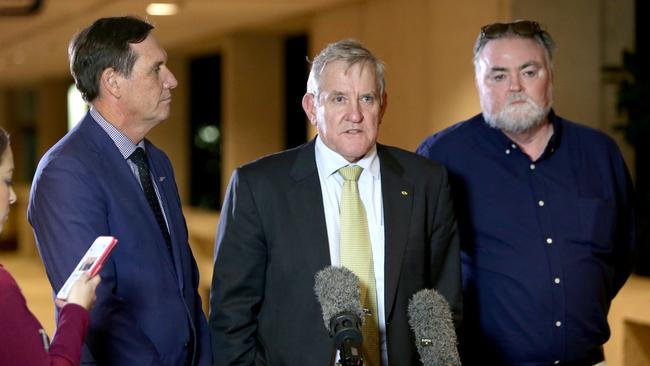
<point x="524" y="28"/>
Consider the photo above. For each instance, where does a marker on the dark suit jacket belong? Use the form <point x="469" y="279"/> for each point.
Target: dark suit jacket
<point x="272" y="239"/>
<point x="148" y="308"/>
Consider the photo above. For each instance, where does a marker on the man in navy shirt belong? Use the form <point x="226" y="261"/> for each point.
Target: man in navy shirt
<point x="544" y="208"/>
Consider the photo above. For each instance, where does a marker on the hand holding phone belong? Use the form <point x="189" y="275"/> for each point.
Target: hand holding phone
<point x="90" y="263"/>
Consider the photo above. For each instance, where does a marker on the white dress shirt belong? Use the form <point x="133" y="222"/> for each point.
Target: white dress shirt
<point x="328" y="163"/>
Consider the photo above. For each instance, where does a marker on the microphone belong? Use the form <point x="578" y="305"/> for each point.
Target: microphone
<point x="337" y="290"/>
<point x="435" y="337"/>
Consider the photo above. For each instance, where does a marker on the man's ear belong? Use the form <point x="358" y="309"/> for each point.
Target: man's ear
<point x="110" y="82"/>
<point x="382" y="109"/>
<point x="308" y="105"/>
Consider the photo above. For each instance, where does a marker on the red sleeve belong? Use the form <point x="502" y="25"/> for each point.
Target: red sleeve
<point x="21" y="339"/>
<point x="69" y="335"/>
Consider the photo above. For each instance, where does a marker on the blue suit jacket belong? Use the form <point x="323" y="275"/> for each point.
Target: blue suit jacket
<point x="148" y="308"/>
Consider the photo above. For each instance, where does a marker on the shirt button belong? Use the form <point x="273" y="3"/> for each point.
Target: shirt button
<point x="507" y="151"/>
<point x="514" y="146"/>
<point x="557" y="280"/>
<point x="540" y="203"/>
<point x="532" y="166"/>
<point x="557" y="362"/>
<point x="549" y="241"/>
<point x="558" y="323"/>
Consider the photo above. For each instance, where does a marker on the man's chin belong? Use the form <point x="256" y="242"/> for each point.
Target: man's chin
<point x="163" y="115"/>
<point x="517" y="121"/>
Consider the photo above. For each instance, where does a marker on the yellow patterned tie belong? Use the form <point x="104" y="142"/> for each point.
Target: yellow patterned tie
<point x="356" y="255"/>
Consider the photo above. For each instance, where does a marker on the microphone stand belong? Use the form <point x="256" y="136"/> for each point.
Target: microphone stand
<point x="347" y="339"/>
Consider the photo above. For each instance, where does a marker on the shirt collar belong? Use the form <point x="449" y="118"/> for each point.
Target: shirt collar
<point x="332" y="161"/>
<point x="506" y="144"/>
<point x="123" y="143"/>
<point x="554" y="141"/>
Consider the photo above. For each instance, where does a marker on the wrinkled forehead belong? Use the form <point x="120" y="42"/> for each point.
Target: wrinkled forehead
<point x="149" y="51"/>
<point x="340" y="72"/>
<point x="512" y="52"/>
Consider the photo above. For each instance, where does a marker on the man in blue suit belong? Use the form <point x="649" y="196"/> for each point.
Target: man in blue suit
<point x="105" y="178"/>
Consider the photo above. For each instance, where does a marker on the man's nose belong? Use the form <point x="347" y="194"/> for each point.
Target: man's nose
<point x="515" y="84"/>
<point x="354" y="113"/>
<point x="170" y="81"/>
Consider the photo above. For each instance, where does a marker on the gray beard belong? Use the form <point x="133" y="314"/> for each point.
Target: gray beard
<point x="518" y="118"/>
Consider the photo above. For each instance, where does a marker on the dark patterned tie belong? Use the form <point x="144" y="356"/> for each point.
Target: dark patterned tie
<point x="139" y="157"/>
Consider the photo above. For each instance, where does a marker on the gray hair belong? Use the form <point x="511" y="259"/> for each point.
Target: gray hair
<point x="351" y="52"/>
<point x="518" y="29"/>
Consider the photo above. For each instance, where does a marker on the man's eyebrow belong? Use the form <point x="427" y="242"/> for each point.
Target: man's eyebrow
<point x="371" y="93"/>
<point x="498" y="69"/>
<point x="525" y="65"/>
<point x="530" y="63"/>
<point x="336" y="93"/>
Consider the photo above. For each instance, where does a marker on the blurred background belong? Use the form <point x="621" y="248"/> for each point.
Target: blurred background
<point x="242" y="69"/>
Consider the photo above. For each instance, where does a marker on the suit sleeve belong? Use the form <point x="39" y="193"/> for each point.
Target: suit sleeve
<point x="239" y="277"/>
<point x="68" y="210"/>
<point x="446" y="250"/>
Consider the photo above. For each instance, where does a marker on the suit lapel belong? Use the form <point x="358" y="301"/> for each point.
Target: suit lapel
<point x="108" y="154"/>
<point x="166" y="189"/>
<point x="397" y="194"/>
<point x="308" y="203"/>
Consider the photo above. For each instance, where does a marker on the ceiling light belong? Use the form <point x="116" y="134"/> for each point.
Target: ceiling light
<point x="162" y="9"/>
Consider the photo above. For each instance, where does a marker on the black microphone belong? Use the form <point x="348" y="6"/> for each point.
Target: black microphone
<point x="337" y="289"/>
<point x="435" y="337"/>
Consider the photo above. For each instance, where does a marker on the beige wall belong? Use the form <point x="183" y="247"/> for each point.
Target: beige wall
<point x="575" y="26"/>
<point x="427" y="50"/>
<point x="427" y="47"/>
<point x="589" y="35"/>
<point x="252" y="99"/>
<point x="4" y="108"/>
<point x="453" y="30"/>
<point x="51" y="113"/>
<point x="173" y="135"/>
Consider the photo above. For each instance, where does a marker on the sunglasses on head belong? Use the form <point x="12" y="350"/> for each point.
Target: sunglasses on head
<point x="524" y="28"/>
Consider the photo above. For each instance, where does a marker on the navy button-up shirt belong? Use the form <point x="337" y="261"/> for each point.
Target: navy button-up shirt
<point x="546" y="244"/>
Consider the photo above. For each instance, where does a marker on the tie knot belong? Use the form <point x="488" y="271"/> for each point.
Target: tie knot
<point x="138" y="156"/>
<point x="351" y="172"/>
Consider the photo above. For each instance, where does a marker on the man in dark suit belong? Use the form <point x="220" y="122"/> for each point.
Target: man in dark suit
<point x="105" y="178"/>
<point x="280" y="225"/>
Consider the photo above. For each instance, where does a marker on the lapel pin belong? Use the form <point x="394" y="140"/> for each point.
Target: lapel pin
<point x="161" y="179"/>
<point x="405" y="193"/>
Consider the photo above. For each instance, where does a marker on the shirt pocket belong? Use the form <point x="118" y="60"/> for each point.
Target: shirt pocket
<point x="597" y="223"/>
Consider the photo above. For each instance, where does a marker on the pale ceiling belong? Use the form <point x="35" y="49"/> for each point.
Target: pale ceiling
<point x="35" y="47"/>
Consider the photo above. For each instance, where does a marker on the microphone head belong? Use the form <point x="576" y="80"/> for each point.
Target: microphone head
<point x="337" y="290"/>
<point x="431" y="321"/>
